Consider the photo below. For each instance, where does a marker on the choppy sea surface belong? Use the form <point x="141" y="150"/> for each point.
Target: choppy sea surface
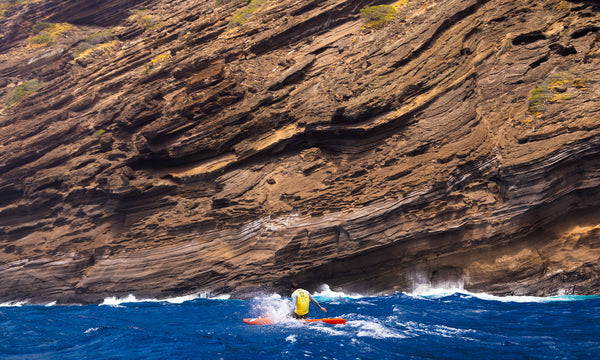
<point x="438" y="325"/>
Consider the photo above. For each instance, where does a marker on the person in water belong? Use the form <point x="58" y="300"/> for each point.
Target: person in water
<point x="301" y="300"/>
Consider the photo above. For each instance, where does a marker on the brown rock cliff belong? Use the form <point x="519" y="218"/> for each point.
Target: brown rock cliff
<point x="170" y="147"/>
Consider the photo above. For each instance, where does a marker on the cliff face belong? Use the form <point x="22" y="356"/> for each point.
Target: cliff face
<point x="170" y="147"/>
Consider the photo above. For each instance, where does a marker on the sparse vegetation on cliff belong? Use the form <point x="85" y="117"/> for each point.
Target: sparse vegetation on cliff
<point x="378" y="16"/>
<point x="560" y="5"/>
<point x="22" y="90"/>
<point x="146" y="20"/>
<point x="242" y="16"/>
<point x="160" y="58"/>
<point x="553" y="90"/>
<point x="46" y="34"/>
<point x="157" y="60"/>
<point x="103" y="42"/>
<point x="5" y="5"/>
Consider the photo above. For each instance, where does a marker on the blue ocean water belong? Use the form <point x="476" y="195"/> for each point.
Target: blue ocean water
<point x="398" y="326"/>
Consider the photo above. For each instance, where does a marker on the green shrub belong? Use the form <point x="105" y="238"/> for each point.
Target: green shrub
<point x="101" y="37"/>
<point x="7" y="4"/>
<point x="539" y="99"/>
<point x="25" y="89"/>
<point x="244" y="14"/>
<point x="44" y="39"/>
<point x="147" y="21"/>
<point x="82" y="47"/>
<point x="41" y="26"/>
<point x="551" y="90"/>
<point x="45" y="34"/>
<point x="378" y="16"/>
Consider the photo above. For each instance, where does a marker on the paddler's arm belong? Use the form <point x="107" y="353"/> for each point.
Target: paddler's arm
<point x="294" y="299"/>
<point x="316" y="303"/>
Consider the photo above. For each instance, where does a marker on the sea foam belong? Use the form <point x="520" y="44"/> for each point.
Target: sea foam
<point x="437" y="293"/>
<point x="325" y="293"/>
<point x="115" y="301"/>
<point x="14" y="303"/>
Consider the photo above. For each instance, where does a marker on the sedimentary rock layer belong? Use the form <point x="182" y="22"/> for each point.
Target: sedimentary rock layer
<point x="230" y="147"/>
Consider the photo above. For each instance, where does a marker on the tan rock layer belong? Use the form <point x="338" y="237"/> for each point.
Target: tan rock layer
<point x="457" y="146"/>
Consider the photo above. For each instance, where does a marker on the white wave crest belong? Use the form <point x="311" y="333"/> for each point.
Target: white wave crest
<point x="115" y="301"/>
<point x="14" y="303"/>
<point x="269" y="296"/>
<point x="325" y="293"/>
<point x="335" y="330"/>
<point x="368" y="328"/>
<point x="414" y="329"/>
<point x="437" y="293"/>
<point x="291" y="338"/>
<point x="91" y="330"/>
<point x="530" y="299"/>
<point x="432" y="293"/>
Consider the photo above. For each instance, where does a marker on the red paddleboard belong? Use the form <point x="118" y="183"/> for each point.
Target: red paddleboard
<point x="259" y="321"/>
<point x="268" y="321"/>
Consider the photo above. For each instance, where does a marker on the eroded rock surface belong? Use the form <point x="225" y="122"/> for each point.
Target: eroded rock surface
<point x="459" y="144"/>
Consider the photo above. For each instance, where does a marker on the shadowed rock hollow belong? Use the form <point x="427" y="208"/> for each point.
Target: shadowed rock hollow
<point x="170" y="147"/>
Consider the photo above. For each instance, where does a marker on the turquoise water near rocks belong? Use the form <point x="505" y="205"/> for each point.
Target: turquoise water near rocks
<point x="456" y="325"/>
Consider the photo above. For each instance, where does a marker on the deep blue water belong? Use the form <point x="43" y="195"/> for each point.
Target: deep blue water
<point x="399" y="326"/>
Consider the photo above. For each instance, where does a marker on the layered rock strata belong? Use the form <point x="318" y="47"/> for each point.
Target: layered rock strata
<point x="199" y="150"/>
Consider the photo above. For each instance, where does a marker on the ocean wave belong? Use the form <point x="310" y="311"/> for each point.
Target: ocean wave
<point x="267" y="297"/>
<point x="325" y="293"/>
<point x="438" y="293"/>
<point x="329" y="329"/>
<point x="14" y="303"/>
<point x="291" y="338"/>
<point x="374" y="329"/>
<point x="535" y="299"/>
<point x="334" y="297"/>
<point x="91" y="330"/>
<point x="115" y="301"/>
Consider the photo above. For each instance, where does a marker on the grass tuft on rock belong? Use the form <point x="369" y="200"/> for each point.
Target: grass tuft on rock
<point x="376" y="17"/>
<point x="23" y="90"/>
<point x="553" y="90"/>
<point x="244" y="14"/>
<point x="46" y="34"/>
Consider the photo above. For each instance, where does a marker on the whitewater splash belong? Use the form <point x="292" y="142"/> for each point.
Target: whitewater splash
<point x="280" y="309"/>
<point x="274" y="307"/>
<point x="325" y="293"/>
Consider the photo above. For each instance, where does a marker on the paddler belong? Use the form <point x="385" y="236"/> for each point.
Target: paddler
<point x="301" y="300"/>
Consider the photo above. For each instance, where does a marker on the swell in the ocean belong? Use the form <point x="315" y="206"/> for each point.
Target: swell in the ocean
<point x="437" y="324"/>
